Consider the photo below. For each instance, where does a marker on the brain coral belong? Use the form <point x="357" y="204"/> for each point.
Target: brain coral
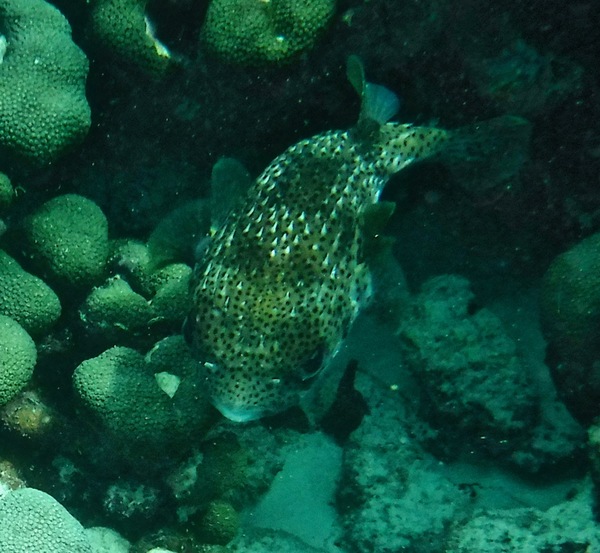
<point x="33" y="521"/>
<point x="67" y="239"/>
<point x="114" y="313"/>
<point x="121" y="30"/>
<point x="152" y="402"/>
<point x="43" y="109"/>
<point x="26" y="298"/>
<point x="254" y="32"/>
<point x="17" y="358"/>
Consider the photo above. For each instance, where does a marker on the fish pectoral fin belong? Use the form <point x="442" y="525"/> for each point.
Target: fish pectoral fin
<point x="375" y="217"/>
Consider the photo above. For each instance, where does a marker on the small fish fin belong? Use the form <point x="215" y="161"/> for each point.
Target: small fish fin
<point x="486" y="155"/>
<point x="355" y="72"/>
<point x="376" y="216"/>
<point x="229" y="182"/>
<point x="390" y="289"/>
<point x="176" y="235"/>
<point x="378" y="103"/>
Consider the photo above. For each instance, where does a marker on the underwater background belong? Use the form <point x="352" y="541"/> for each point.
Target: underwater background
<point x="462" y="412"/>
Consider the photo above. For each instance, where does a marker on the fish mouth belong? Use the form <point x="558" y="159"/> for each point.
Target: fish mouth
<point x="238" y="412"/>
<point x="264" y="399"/>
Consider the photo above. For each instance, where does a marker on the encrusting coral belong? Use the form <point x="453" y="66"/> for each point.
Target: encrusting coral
<point x="17" y="358"/>
<point x="150" y="402"/>
<point x="43" y="108"/>
<point x="31" y="520"/>
<point x="26" y="298"/>
<point x="253" y="32"/>
<point x="122" y="30"/>
<point x="67" y="241"/>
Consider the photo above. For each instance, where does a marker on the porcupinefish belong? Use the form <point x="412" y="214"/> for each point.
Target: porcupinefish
<point x="286" y="273"/>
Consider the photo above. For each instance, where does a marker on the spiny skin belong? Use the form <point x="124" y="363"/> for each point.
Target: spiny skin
<point x="285" y="276"/>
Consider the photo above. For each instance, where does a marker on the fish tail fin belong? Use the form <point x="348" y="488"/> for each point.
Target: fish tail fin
<point x="485" y="155"/>
<point x="378" y="103"/>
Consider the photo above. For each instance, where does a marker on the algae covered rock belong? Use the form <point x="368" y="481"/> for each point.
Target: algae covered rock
<point x="31" y="520"/>
<point x="67" y="240"/>
<point x="26" y="298"/>
<point x="17" y="358"/>
<point x="472" y="380"/>
<point x="249" y="32"/>
<point x="570" y="302"/>
<point x="570" y="317"/>
<point x="149" y="402"/>
<point x="121" y="30"/>
<point x="43" y="108"/>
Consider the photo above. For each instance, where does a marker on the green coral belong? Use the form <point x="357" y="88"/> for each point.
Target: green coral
<point x="114" y="313"/>
<point x="130" y="258"/>
<point x="167" y="288"/>
<point x="172" y="299"/>
<point x="121" y="30"/>
<point x="149" y="402"/>
<point x="31" y="520"/>
<point x="254" y="32"/>
<point x="26" y="298"/>
<point x="67" y="239"/>
<point x="17" y="358"/>
<point x="43" y="109"/>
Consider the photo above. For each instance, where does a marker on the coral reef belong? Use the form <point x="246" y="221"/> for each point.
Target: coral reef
<point x="120" y="388"/>
<point x="121" y="31"/>
<point x="17" y="358"/>
<point x="474" y="382"/>
<point x="250" y="32"/>
<point x="26" y="298"/>
<point x="114" y="313"/>
<point x="451" y="438"/>
<point x="43" y="108"/>
<point x="31" y="520"/>
<point x="67" y="241"/>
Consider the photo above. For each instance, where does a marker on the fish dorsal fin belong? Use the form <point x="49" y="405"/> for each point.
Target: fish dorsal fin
<point x="229" y="182"/>
<point x="378" y="103"/>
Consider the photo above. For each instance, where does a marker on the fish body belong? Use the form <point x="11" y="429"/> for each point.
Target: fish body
<point x="286" y="274"/>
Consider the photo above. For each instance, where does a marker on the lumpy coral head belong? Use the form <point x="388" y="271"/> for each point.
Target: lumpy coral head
<point x="43" y="108"/>
<point x="31" y="520"/>
<point x="17" y="358"/>
<point x="67" y="241"/>
<point x="258" y="32"/>
<point x="121" y="31"/>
